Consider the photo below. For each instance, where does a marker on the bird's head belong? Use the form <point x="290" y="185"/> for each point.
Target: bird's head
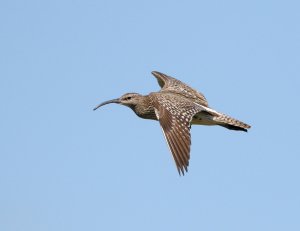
<point x="128" y="99"/>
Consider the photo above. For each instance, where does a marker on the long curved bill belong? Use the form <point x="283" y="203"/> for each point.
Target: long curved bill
<point x="107" y="102"/>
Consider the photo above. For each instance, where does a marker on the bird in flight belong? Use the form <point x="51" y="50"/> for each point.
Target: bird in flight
<point x="177" y="106"/>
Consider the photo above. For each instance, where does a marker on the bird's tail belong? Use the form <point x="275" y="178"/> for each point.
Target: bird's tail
<point x="231" y="123"/>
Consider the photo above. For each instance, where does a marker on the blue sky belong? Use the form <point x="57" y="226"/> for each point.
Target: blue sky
<point x="66" y="167"/>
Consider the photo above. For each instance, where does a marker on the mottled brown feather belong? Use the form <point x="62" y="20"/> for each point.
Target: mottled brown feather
<point x="176" y="106"/>
<point x="175" y="123"/>
<point x="170" y="84"/>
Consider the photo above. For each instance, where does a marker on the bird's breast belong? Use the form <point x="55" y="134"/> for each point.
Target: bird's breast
<point x="145" y="112"/>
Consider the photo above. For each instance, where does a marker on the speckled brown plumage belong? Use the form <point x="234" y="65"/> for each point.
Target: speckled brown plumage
<point x="177" y="106"/>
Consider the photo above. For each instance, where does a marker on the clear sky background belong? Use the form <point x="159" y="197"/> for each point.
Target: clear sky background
<point x="66" y="167"/>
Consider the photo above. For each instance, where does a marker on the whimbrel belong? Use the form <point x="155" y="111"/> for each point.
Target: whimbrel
<point x="176" y="106"/>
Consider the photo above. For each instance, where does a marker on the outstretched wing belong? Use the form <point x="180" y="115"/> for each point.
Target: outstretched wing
<point x="175" y="114"/>
<point x="170" y="84"/>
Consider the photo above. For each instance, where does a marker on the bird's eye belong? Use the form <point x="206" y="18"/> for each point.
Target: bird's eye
<point x="128" y="98"/>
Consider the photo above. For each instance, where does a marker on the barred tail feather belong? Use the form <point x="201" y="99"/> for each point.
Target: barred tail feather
<point x="231" y="123"/>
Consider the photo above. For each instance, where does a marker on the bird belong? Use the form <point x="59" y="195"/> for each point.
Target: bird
<point x="176" y="106"/>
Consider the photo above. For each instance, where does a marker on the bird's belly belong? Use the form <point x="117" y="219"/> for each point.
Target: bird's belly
<point x="202" y="120"/>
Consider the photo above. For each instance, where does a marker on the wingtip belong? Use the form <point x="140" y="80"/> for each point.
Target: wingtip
<point x="182" y="171"/>
<point x="155" y="73"/>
